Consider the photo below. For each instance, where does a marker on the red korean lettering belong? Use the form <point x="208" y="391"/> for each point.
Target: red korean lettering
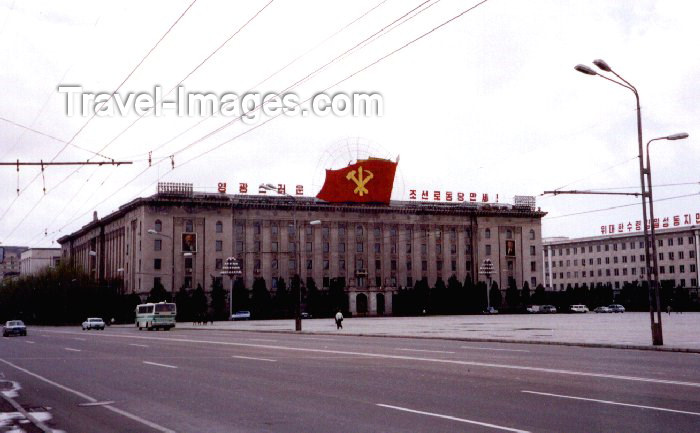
<point x="412" y="194"/>
<point x="472" y="196"/>
<point x="243" y="188"/>
<point x="448" y="196"/>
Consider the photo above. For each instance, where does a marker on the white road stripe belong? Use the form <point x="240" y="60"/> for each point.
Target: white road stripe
<point x="92" y="399"/>
<point x="411" y="358"/>
<point x="138" y="345"/>
<point x="78" y="338"/>
<point x="255" y="359"/>
<point x="452" y="418"/>
<point x="615" y="403"/>
<point x="422" y="350"/>
<point x="159" y="365"/>
<point x="97" y="403"/>
<point x="72" y="350"/>
<point x="30" y="342"/>
<point x="492" y="348"/>
<point x="263" y="339"/>
<point x="318" y="339"/>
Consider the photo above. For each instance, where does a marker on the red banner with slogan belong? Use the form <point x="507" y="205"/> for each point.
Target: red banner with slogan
<point x="367" y="181"/>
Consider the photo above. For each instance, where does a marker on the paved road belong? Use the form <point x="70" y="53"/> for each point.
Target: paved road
<point x="122" y="380"/>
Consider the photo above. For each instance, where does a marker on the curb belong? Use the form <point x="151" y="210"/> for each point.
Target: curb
<point x="465" y="339"/>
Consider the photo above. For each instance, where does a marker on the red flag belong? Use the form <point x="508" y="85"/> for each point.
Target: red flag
<point x="367" y="181"/>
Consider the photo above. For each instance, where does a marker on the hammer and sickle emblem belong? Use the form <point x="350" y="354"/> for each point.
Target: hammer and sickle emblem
<point x="361" y="181"/>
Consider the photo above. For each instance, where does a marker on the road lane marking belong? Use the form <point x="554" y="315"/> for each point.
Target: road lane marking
<point x="29" y="342"/>
<point x="96" y="403"/>
<point x="254" y="359"/>
<point x="425" y="351"/>
<point x="267" y="340"/>
<point x="159" y="365"/>
<point x="318" y="339"/>
<point x="92" y="399"/>
<point x="411" y="358"/>
<point x="78" y="338"/>
<point x="615" y="403"/>
<point x="138" y="345"/>
<point x="72" y="350"/>
<point x="492" y="348"/>
<point x="452" y="418"/>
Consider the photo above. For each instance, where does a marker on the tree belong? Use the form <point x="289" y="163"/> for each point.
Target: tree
<point x="495" y="296"/>
<point x="525" y="294"/>
<point x="456" y="296"/>
<point x="512" y="294"/>
<point x="438" y="298"/>
<point x="158" y="294"/>
<point x="183" y="300"/>
<point x="338" y="299"/>
<point x="281" y="299"/>
<point x="539" y="296"/>
<point x="260" y="301"/>
<point x="199" y="303"/>
<point x="240" y="295"/>
<point x="219" y="297"/>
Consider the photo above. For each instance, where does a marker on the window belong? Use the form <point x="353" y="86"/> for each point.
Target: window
<point x="661" y="242"/>
<point x="359" y="247"/>
<point x="607" y="247"/>
<point x="670" y="254"/>
<point x="408" y="266"/>
<point x="156" y="263"/>
<point x="188" y="262"/>
<point x="439" y="265"/>
<point x="274" y="246"/>
<point x="633" y="258"/>
<point x="533" y="267"/>
<point x="326" y="265"/>
<point x="189" y="227"/>
<point x="325" y="231"/>
<point x="615" y="259"/>
<point x="409" y="282"/>
<point x="309" y="247"/>
<point x="424" y="265"/>
<point x="341" y="247"/>
<point x="341" y="265"/>
<point x="454" y="266"/>
<point x="408" y="248"/>
<point x="662" y="270"/>
<point x="453" y="249"/>
<point x="607" y="260"/>
<point x="378" y="281"/>
<point x="274" y="264"/>
<point x="615" y="247"/>
<point x="438" y="249"/>
<point x="532" y="252"/>
<point x="326" y="247"/>
<point x="239" y="246"/>
<point x="359" y="231"/>
<point x="423" y="248"/>
<point x="292" y="264"/>
<point x="239" y="229"/>
<point x="378" y="264"/>
<point x="597" y="248"/>
<point x="158" y="226"/>
<point x="274" y="229"/>
<point x="692" y="268"/>
<point x="509" y="234"/>
<point x="219" y="227"/>
<point x="157" y="282"/>
<point x="599" y="260"/>
<point x="488" y="251"/>
<point x="661" y="256"/>
<point x="157" y="245"/>
<point x="219" y="245"/>
<point x="309" y="230"/>
<point x="218" y="264"/>
<point x="670" y="242"/>
<point x="377" y="248"/>
<point x="487" y="234"/>
<point x="341" y="230"/>
<point x="681" y="255"/>
<point x="672" y="269"/>
<point x="377" y="232"/>
<point x="291" y="230"/>
<point x="532" y="236"/>
<point x="256" y="246"/>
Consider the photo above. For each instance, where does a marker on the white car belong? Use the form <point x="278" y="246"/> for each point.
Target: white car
<point x="94" y="323"/>
<point x="240" y="315"/>
<point x="578" y="308"/>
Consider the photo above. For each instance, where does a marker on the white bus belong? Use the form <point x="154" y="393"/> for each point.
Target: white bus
<point x="156" y="315"/>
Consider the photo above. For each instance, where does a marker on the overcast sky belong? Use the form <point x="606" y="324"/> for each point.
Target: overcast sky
<point x="489" y="103"/>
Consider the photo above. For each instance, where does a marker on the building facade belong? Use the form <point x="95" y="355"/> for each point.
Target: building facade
<point x="620" y="259"/>
<point x="10" y="258"/>
<point x="182" y="240"/>
<point x="34" y="260"/>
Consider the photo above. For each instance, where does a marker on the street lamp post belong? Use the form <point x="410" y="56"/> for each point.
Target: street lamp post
<point x="487" y="269"/>
<point x="652" y="272"/>
<point x="654" y="256"/>
<point x="271" y="187"/>
<point x="232" y="269"/>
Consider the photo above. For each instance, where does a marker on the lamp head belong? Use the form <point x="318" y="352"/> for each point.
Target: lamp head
<point x="679" y="136"/>
<point x="152" y="231"/>
<point x="600" y="63"/>
<point x="315" y="222"/>
<point x="585" y="70"/>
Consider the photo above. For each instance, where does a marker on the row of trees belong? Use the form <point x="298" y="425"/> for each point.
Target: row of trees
<point x="65" y="295"/>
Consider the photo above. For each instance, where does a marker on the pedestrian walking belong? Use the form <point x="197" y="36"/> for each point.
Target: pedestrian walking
<point x="668" y="310"/>
<point x="339" y="320"/>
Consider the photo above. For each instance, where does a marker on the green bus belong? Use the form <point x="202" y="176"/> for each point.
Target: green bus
<point x="156" y="315"/>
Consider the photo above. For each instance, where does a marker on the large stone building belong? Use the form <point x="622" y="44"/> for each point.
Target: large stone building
<point x="34" y="260"/>
<point x="10" y="258"/>
<point x="183" y="240"/>
<point x="619" y="259"/>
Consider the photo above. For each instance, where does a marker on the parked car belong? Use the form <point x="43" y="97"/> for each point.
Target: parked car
<point x="14" y="327"/>
<point x="548" y="309"/>
<point x="305" y="315"/>
<point x="578" y="308"/>
<point x="94" y="323"/>
<point x="602" y="309"/>
<point x="616" y="308"/>
<point x="534" y="309"/>
<point x="240" y="315"/>
<point x="491" y="310"/>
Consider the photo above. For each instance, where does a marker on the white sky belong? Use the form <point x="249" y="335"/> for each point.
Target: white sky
<point x="489" y="103"/>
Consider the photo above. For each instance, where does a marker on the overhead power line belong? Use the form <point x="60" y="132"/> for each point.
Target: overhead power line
<point x="620" y="206"/>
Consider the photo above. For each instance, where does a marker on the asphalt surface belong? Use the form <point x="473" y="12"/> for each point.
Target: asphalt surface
<point x="125" y="380"/>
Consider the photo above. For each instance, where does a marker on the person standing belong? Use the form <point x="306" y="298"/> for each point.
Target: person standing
<point x="339" y="320"/>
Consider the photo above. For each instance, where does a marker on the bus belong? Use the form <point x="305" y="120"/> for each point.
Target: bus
<point x="156" y="315"/>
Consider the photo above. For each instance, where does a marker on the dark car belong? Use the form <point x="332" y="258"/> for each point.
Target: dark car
<point x="548" y="309"/>
<point x="14" y="327"/>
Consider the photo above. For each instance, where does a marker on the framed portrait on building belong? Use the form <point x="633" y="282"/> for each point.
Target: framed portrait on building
<point x="510" y="248"/>
<point x="189" y="242"/>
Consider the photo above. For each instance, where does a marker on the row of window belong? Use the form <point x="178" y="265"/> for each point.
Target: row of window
<point x="633" y="258"/>
<point x="616" y="272"/>
<point x="623" y="246"/>
<point x="616" y="284"/>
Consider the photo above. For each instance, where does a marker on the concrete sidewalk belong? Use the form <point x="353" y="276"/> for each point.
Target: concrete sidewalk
<point x="628" y="330"/>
